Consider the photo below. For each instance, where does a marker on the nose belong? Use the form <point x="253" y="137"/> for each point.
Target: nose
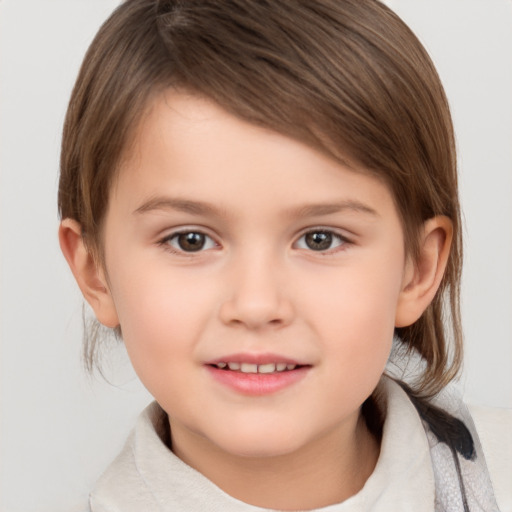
<point x="256" y="296"/>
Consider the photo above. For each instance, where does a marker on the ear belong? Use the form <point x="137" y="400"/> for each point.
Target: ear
<point x="423" y="277"/>
<point x="88" y="273"/>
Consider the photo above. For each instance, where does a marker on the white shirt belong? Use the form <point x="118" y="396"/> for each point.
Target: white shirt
<point x="147" y="476"/>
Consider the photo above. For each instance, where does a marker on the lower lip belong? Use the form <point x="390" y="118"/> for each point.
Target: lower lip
<point x="258" y="384"/>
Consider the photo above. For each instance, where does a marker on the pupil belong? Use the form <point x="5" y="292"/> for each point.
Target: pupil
<point x="319" y="240"/>
<point x="191" y="241"/>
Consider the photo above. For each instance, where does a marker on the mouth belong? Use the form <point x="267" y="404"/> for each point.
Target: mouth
<point x="257" y="375"/>
<point x="256" y="368"/>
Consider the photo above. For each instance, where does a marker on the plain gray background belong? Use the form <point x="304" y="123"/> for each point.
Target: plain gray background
<point x="60" y="428"/>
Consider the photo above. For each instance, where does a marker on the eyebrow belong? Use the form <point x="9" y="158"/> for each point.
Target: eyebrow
<point x="315" y="210"/>
<point x="202" y="208"/>
<point x="182" y="205"/>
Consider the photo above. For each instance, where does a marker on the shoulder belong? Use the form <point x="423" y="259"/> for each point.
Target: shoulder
<point x="494" y="428"/>
<point x="122" y="487"/>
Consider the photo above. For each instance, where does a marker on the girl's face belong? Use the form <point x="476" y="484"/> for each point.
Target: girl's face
<point x="256" y="281"/>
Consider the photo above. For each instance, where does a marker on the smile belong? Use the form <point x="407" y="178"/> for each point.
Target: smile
<point x="257" y="375"/>
<point x="255" y="368"/>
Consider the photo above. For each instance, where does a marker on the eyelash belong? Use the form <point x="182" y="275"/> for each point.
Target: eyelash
<point x="166" y="242"/>
<point x="331" y="235"/>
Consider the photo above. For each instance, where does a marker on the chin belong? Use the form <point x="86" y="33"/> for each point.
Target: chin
<point x="254" y="442"/>
<point x="261" y="450"/>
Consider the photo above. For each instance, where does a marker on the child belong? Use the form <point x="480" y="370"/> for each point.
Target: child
<point x="259" y="197"/>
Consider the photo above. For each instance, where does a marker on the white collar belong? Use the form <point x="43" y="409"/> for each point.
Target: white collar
<point x="148" y="473"/>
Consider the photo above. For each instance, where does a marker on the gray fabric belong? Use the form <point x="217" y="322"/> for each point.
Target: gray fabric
<point x="476" y="482"/>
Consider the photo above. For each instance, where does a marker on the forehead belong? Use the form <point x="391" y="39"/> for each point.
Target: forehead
<point x="188" y="147"/>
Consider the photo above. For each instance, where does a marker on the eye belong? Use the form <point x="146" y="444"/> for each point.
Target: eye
<point x="189" y="241"/>
<point x="320" y="240"/>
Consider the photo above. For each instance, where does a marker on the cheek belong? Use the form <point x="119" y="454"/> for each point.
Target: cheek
<point x="358" y="298"/>
<point x="356" y="317"/>
<point x="160" y="315"/>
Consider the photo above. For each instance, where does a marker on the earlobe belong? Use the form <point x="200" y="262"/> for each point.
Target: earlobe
<point x="423" y="277"/>
<point x="88" y="273"/>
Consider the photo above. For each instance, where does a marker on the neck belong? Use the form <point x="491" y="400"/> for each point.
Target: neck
<point x="329" y="470"/>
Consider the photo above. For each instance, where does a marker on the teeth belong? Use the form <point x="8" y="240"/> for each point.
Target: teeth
<point x="256" y="368"/>
<point x="248" y="368"/>
<point x="267" y="368"/>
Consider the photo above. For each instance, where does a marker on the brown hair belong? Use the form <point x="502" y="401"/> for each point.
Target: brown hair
<point x="347" y="77"/>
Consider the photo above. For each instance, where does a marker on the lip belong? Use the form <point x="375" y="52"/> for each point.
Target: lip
<point x="263" y="358"/>
<point x="257" y="384"/>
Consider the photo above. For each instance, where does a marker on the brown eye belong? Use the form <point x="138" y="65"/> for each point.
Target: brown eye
<point x="320" y="240"/>
<point x="190" y="241"/>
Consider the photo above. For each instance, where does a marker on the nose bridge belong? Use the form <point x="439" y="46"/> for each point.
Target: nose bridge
<point x="256" y="296"/>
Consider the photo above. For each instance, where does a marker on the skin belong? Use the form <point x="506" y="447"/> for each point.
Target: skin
<point x="256" y="287"/>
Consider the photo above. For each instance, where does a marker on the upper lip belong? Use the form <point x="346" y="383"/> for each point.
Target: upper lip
<point x="258" y="359"/>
